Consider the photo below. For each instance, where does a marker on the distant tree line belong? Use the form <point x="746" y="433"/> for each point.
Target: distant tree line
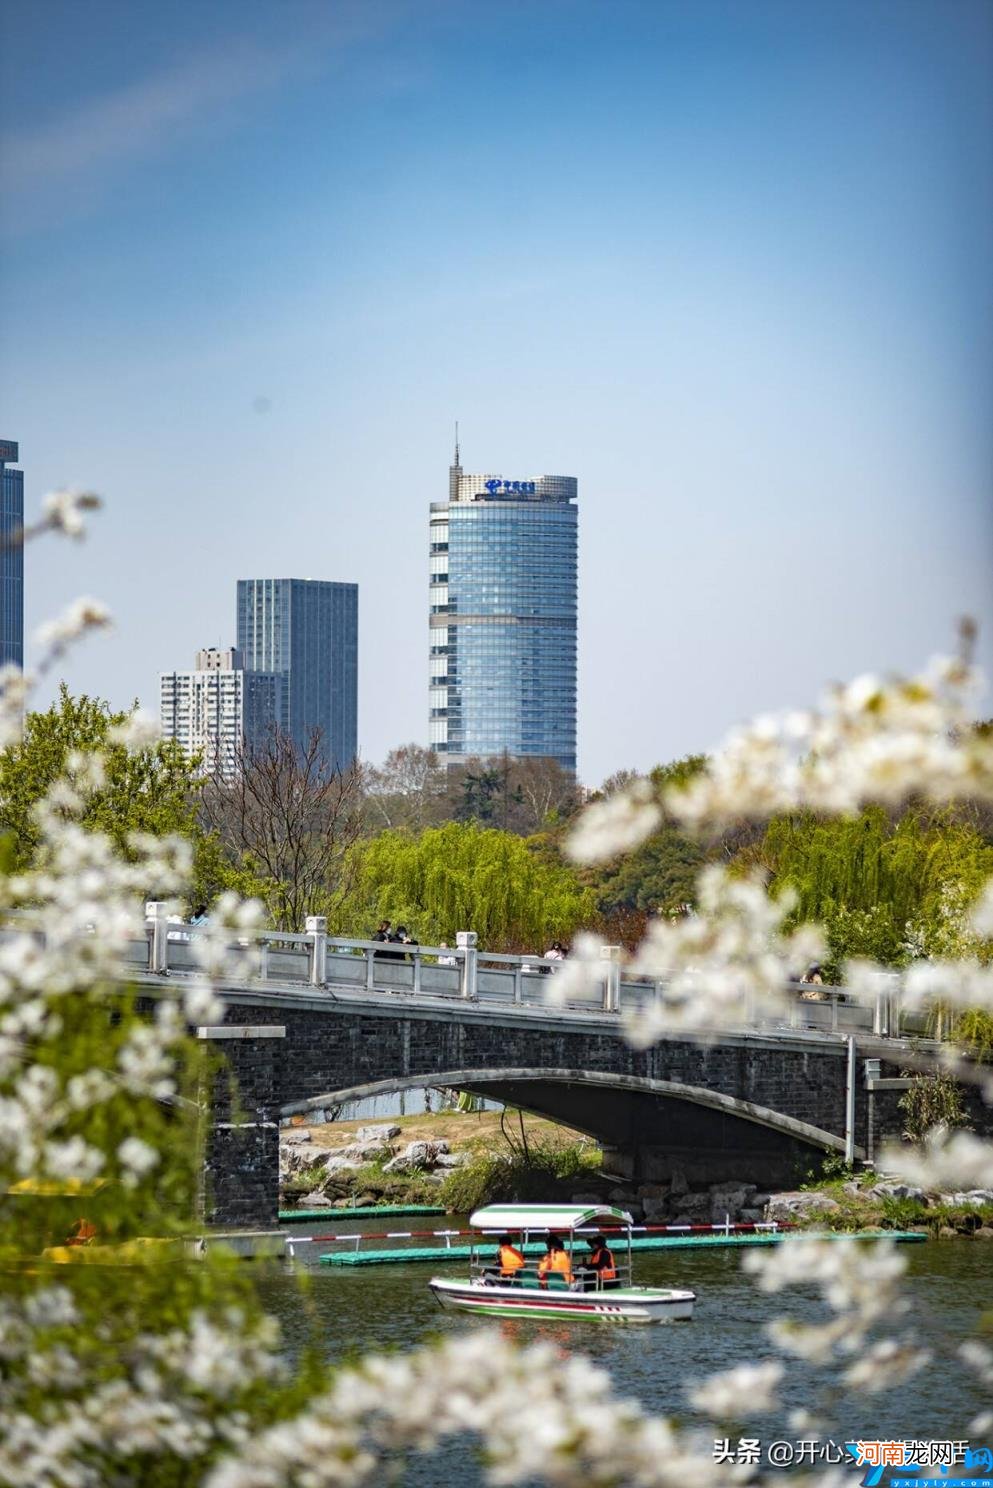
<point x="481" y="846"/>
<point x="414" y="789"/>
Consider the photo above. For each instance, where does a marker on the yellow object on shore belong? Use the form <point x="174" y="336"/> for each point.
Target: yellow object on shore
<point x="48" y="1188"/>
<point x="137" y="1252"/>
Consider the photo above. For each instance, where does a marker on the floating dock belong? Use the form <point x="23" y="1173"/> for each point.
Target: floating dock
<point x="402" y="1256"/>
<point x="397" y="1211"/>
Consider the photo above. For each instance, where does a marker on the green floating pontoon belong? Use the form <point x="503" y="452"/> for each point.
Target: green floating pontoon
<point x="295" y="1216"/>
<point x="402" y="1256"/>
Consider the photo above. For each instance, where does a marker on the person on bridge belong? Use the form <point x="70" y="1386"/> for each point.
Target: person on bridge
<point x="813" y="978"/>
<point x="385" y="934"/>
<point x="555" y="1261"/>
<point x="601" y="1262"/>
<point x="404" y="937"/>
<point x="511" y="1259"/>
<point x="555" y="952"/>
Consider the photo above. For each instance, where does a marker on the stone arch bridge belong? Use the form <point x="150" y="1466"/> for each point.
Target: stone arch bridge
<point x="753" y="1106"/>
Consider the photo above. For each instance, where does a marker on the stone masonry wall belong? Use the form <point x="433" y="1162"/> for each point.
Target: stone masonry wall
<point x="330" y="1046"/>
<point x="241" y="1168"/>
<point x="334" y="1049"/>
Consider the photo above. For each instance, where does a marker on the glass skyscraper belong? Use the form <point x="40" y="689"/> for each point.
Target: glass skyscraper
<point x="503" y="618"/>
<point x="11" y="557"/>
<point x="307" y="631"/>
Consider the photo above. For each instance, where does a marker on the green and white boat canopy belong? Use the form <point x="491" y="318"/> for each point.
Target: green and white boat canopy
<point x="546" y="1216"/>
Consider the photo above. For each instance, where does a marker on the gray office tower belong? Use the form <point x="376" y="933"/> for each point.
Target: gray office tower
<point x="503" y="618"/>
<point x="11" y="557"/>
<point x="307" y="631"/>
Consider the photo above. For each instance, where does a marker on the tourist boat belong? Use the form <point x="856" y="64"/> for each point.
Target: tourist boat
<point x="528" y="1294"/>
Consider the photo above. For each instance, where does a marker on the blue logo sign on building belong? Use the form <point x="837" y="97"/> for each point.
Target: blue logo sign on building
<point x="524" y="488"/>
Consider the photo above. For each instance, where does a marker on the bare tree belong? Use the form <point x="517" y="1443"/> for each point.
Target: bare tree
<point x="290" y="819"/>
<point x="407" y="791"/>
<point x="412" y="790"/>
<point x="521" y="794"/>
<point x="542" y="794"/>
<point x="621" y="780"/>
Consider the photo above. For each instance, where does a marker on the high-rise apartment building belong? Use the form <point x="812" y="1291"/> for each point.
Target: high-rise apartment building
<point x="503" y="618"/>
<point x="11" y="557"/>
<point x="219" y="711"/>
<point x="307" y="631"/>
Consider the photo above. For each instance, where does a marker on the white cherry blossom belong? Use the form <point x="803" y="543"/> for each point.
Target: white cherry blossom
<point x="62" y="511"/>
<point x="947" y="1160"/>
<point x="740" y="1393"/>
<point x="618" y="824"/>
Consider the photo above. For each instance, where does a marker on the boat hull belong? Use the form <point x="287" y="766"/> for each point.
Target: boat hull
<point x="625" y="1305"/>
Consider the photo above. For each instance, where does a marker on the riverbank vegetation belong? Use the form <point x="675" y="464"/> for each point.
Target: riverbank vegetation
<point x="460" y="1160"/>
<point x="505" y="1157"/>
<point x="869" y="1201"/>
<point x="548" y="1172"/>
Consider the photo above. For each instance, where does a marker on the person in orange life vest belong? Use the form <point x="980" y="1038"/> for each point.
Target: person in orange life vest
<point x="555" y="1260"/>
<point x="601" y="1261"/>
<point x="510" y="1258"/>
<point x="81" y="1233"/>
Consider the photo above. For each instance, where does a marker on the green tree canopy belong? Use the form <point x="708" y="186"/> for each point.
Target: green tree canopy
<point x="655" y="878"/>
<point x="659" y="876"/>
<point x="877" y="884"/>
<point x="464" y="877"/>
<point x="152" y="790"/>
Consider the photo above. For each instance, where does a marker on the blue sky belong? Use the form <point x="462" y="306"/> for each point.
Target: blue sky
<point x="727" y="263"/>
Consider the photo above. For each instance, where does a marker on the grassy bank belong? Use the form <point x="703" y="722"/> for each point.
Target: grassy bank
<point x="525" y="1159"/>
<point x="854" y="1207"/>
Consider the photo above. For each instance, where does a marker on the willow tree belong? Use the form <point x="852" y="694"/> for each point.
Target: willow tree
<point x="879" y="885"/>
<point x="465" y="877"/>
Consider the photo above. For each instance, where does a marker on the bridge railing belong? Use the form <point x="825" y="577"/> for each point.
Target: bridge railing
<point x="313" y="959"/>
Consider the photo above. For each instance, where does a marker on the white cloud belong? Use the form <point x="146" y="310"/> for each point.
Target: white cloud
<point x="149" y="116"/>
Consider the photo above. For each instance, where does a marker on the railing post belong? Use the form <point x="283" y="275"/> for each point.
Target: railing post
<point x="417" y="970"/>
<point x="370" y="970"/>
<point x="850" y="1102"/>
<point x="263" y="961"/>
<point x="316" y="927"/>
<point x="612" y="978"/>
<point x="467" y="941"/>
<point x="873" y="1071"/>
<point x="518" y="981"/>
<point x="155" y="910"/>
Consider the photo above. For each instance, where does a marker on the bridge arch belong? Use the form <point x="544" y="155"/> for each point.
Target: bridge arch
<point x="529" y="1090"/>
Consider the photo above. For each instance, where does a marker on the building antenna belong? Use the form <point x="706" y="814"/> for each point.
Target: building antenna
<point x="457" y="442"/>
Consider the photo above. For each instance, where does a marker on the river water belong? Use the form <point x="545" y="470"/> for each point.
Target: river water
<point x="949" y="1282"/>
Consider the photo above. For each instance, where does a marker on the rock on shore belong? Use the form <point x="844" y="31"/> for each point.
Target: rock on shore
<point x="371" y="1163"/>
<point x="325" y="1175"/>
<point x="851" y="1204"/>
